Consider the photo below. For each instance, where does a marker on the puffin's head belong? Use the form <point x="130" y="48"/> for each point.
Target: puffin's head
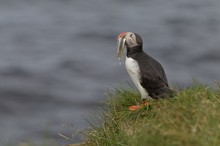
<point x="127" y="40"/>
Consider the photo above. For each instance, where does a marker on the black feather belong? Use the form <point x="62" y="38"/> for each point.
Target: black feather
<point x="153" y="77"/>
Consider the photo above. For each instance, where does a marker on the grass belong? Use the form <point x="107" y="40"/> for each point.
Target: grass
<point x="192" y="118"/>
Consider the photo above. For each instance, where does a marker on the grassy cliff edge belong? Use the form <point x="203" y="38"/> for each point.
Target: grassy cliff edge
<point x="192" y="118"/>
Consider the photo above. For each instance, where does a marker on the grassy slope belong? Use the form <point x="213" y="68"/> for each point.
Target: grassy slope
<point x="191" y="119"/>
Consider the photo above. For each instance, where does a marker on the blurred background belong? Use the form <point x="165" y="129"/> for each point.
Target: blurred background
<point x="57" y="57"/>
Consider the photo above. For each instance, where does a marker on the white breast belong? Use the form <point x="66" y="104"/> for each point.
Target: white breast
<point x="133" y="70"/>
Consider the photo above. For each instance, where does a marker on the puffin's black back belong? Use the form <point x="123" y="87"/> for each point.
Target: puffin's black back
<point x="153" y="77"/>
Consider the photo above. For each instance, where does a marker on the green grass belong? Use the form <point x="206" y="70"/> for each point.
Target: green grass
<point x="192" y="118"/>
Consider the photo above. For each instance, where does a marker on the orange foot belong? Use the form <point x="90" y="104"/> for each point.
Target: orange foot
<point x="137" y="107"/>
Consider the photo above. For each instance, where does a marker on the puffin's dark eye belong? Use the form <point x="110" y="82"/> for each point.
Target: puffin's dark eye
<point x="130" y="35"/>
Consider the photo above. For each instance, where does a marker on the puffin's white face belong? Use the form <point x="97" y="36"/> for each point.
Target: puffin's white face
<point x="125" y="39"/>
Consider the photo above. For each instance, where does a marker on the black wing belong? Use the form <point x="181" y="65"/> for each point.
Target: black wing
<point x="153" y="77"/>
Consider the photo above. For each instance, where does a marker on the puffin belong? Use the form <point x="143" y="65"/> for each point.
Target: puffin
<point x="146" y="72"/>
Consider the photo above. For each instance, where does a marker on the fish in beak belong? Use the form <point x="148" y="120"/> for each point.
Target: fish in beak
<point x="121" y="45"/>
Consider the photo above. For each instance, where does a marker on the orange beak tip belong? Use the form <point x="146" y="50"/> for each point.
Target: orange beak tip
<point x="121" y="34"/>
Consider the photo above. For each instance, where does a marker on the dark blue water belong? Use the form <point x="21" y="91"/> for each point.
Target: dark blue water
<point x="57" y="57"/>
